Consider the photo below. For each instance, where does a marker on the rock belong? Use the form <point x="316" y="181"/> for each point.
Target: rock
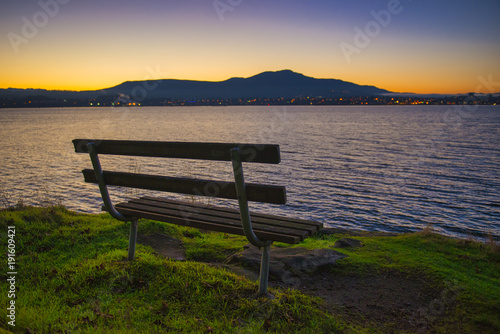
<point x="286" y="263"/>
<point x="347" y="243"/>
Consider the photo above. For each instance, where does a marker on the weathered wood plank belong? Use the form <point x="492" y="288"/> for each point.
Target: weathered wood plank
<point x="310" y="227"/>
<point x="155" y="207"/>
<point x="264" y="235"/>
<point x="225" y="209"/>
<point x="205" y="151"/>
<point x="221" y="189"/>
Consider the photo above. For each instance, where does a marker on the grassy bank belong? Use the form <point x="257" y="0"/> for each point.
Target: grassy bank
<point x="73" y="277"/>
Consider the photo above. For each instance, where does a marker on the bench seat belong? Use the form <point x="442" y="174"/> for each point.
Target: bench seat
<point x="220" y="219"/>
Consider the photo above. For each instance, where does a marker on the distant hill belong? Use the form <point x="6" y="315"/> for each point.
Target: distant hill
<point x="10" y="93"/>
<point x="286" y="84"/>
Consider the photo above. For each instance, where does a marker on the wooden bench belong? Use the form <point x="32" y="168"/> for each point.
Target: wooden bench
<point x="260" y="229"/>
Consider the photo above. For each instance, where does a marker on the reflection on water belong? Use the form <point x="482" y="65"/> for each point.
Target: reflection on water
<point x="370" y="168"/>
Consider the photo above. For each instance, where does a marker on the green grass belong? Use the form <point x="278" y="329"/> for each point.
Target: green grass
<point x="73" y="277"/>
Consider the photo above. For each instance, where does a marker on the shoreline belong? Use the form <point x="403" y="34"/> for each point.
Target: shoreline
<point x="477" y="237"/>
<point x="360" y="101"/>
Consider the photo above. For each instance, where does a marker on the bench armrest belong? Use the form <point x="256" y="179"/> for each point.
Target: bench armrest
<point x="242" y="200"/>
<point x="102" y="185"/>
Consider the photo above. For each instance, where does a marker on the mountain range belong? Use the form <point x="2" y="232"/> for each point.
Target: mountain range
<point x="279" y="84"/>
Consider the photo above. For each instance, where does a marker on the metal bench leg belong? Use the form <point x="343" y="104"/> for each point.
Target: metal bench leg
<point x="264" y="269"/>
<point x="132" y="239"/>
<point x="246" y="222"/>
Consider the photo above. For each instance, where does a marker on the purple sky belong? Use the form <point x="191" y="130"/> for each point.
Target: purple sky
<point x="422" y="46"/>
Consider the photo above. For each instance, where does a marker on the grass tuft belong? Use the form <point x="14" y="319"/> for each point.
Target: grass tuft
<point x="491" y="243"/>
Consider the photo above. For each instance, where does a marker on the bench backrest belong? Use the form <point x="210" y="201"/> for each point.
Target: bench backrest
<point x="251" y="153"/>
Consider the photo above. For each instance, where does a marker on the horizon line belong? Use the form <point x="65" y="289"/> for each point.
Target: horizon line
<point x="236" y="77"/>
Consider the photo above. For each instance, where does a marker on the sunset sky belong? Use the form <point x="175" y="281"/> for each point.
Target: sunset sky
<point x="420" y="46"/>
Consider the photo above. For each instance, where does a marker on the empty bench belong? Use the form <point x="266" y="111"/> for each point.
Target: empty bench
<point x="260" y="229"/>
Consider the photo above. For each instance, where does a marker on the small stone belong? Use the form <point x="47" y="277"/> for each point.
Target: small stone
<point x="347" y="243"/>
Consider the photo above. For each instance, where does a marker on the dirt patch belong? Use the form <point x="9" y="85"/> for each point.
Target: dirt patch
<point x="164" y="245"/>
<point x="389" y="300"/>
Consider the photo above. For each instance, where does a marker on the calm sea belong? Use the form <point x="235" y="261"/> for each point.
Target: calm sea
<point x="390" y="168"/>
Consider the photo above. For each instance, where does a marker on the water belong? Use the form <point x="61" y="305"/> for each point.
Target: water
<point x="390" y="168"/>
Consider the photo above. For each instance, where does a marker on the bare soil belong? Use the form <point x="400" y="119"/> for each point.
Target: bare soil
<point x="391" y="301"/>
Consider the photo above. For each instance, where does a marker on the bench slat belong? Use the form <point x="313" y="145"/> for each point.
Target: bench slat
<point x="263" y="215"/>
<point x="310" y="227"/>
<point x="205" y="151"/>
<point x="188" y="221"/>
<point x="221" y="189"/>
<point x="152" y="206"/>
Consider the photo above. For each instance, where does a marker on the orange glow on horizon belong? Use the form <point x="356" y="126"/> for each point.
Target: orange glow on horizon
<point x="47" y="64"/>
<point x="418" y="86"/>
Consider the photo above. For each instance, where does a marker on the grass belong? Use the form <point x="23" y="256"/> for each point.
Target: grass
<point x="73" y="277"/>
